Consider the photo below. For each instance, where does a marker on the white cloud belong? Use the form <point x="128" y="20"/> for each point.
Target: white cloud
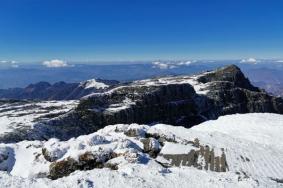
<point x="160" y="65"/>
<point x="279" y="61"/>
<point x="55" y="63"/>
<point x="13" y="64"/>
<point x="184" y="63"/>
<point x="249" y="60"/>
<point x="170" y="65"/>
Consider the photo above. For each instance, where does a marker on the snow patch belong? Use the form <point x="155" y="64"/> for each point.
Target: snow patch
<point x="93" y="83"/>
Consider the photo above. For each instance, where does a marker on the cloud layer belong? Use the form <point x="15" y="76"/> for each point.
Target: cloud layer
<point x="170" y="65"/>
<point x="55" y="63"/>
<point x="249" y="60"/>
<point x="12" y="64"/>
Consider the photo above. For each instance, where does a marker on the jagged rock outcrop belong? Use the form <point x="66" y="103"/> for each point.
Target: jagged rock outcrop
<point x="86" y="161"/>
<point x="232" y="93"/>
<point x="231" y="74"/>
<point x="181" y="100"/>
<point x="202" y="158"/>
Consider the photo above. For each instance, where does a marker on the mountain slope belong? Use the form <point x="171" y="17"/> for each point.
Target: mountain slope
<point x="154" y="156"/>
<point x="17" y="117"/>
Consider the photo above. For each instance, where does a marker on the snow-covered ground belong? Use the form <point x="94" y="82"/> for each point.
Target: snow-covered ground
<point x="252" y="145"/>
<point x="264" y="129"/>
<point x="199" y="87"/>
<point x="24" y="114"/>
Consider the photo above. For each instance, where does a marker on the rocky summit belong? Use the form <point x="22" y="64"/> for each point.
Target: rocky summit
<point x="176" y="100"/>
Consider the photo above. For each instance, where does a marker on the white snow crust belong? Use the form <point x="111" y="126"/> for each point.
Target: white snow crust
<point x="252" y="144"/>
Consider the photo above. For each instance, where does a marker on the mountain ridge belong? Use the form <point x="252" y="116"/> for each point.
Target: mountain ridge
<point x="179" y="100"/>
<point x="57" y="91"/>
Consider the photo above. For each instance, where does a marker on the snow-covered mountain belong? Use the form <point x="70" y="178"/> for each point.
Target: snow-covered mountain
<point x="233" y="151"/>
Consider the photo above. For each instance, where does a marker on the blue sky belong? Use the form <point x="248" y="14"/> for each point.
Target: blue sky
<point x="115" y="30"/>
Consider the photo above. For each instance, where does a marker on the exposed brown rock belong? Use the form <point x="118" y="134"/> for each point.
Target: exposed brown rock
<point x="86" y="161"/>
<point x="62" y="168"/>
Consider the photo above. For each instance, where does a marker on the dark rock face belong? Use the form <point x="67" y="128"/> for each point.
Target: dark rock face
<point x="175" y="103"/>
<point x="232" y="93"/>
<point x="57" y="91"/>
<point x="231" y="74"/>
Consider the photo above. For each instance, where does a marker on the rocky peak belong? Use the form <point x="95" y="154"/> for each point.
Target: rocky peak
<point x="232" y="74"/>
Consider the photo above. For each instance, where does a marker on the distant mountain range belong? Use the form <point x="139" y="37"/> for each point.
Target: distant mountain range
<point x="267" y="75"/>
<point x="58" y="90"/>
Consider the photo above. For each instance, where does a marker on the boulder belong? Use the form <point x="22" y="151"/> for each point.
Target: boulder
<point x="151" y="146"/>
<point x="86" y="161"/>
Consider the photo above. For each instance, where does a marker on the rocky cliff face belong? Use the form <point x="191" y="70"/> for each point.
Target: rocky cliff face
<point x="232" y="93"/>
<point x="182" y="101"/>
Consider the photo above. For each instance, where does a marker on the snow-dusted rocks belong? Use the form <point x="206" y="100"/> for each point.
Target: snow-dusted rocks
<point x="199" y="156"/>
<point x="6" y="158"/>
<point x="17" y="117"/>
<point x="151" y="146"/>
